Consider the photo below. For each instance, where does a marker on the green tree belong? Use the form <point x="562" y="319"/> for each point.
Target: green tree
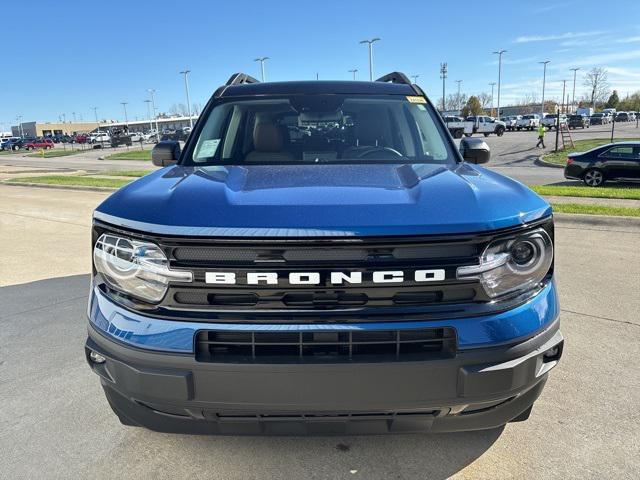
<point x="613" y="101"/>
<point x="473" y="107"/>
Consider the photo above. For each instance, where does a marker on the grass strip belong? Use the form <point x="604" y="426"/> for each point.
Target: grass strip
<point x="72" y="180"/>
<point x="589" y="192"/>
<point x="126" y="173"/>
<point x="560" y="157"/>
<point x="130" y="155"/>
<point x="596" y="210"/>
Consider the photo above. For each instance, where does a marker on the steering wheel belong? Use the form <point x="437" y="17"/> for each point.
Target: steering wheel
<point x="374" y="152"/>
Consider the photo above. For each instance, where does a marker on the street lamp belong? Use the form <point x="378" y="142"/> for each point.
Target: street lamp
<point x="443" y="76"/>
<point x="262" y="60"/>
<point x="544" y="80"/>
<point x="152" y="92"/>
<point x="493" y="84"/>
<point x="19" y="120"/>
<point x="126" y="119"/>
<point x="74" y="116"/>
<point x="354" y="71"/>
<point x="95" y="113"/>
<point x="499" y="53"/>
<point x="573" y="98"/>
<point x="148" y="102"/>
<point x="415" y="78"/>
<point x="186" y="86"/>
<point x="370" y="44"/>
<point x="458" y="97"/>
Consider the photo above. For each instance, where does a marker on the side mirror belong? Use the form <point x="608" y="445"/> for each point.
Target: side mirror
<point x="475" y="150"/>
<point x="165" y="153"/>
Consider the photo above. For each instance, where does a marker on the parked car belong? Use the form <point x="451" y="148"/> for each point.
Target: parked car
<point x="137" y="136"/>
<point x="578" y="121"/>
<point x="120" y="137"/>
<point x="476" y="124"/>
<point x="44" y="143"/>
<point x="511" y="121"/>
<point x="615" y="161"/>
<point x="14" y="144"/>
<point x="622" y="117"/>
<point x="598" y="119"/>
<point x="80" y="138"/>
<point x="550" y="120"/>
<point x="608" y="117"/>
<point x="99" y="138"/>
<point x="6" y="140"/>
<point x="632" y="116"/>
<point x="528" y="122"/>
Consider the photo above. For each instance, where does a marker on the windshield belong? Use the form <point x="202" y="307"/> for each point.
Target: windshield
<point x="321" y="129"/>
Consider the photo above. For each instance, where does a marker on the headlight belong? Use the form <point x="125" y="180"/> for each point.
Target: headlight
<point x="139" y="269"/>
<point x="512" y="264"/>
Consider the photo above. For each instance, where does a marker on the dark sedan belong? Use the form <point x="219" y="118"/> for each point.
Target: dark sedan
<point x="615" y="161"/>
<point x="598" y="119"/>
<point x="13" y="144"/>
<point x="578" y="121"/>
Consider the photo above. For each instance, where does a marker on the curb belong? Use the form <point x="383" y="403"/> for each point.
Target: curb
<point x="60" y="187"/>
<point x="539" y="161"/>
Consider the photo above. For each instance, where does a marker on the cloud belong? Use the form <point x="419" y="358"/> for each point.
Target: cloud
<point x="560" y="36"/>
<point x="629" y="40"/>
<point x="553" y="6"/>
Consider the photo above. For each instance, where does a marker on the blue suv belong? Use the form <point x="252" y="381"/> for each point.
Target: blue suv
<point x="320" y="258"/>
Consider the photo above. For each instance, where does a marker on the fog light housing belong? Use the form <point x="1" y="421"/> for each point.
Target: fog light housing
<point x="95" y="357"/>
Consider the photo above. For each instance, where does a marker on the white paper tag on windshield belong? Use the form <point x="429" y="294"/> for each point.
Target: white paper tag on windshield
<point x="208" y="148"/>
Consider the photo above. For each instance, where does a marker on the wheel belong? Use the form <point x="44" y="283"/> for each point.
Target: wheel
<point x="500" y="132"/>
<point x="458" y="134"/>
<point x="16" y="148"/>
<point x="486" y="134"/>
<point x="468" y="134"/>
<point x="593" y="178"/>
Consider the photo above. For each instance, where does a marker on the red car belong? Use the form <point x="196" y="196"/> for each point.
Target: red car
<point x="81" y="138"/>
<point x="45" y="143"/>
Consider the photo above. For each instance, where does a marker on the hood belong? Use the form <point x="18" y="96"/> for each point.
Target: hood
<point x="322" y="200"/>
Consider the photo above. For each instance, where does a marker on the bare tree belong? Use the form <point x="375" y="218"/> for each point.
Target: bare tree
<point x="485" y="100"/>
<point x="454" y="102"/>
<point x="178" y="109"/>
<point x="196" y="108"/>
<point x="597" y="82"/>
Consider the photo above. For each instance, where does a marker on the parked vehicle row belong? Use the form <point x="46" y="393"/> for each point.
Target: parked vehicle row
<point x="474" y="124"/>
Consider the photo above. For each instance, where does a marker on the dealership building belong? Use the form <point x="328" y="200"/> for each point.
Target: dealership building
<point x="37" y="129"/>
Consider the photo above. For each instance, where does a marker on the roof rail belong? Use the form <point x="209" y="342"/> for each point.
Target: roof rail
<point x="395" y="77"/>
<point x="240" y="78"/>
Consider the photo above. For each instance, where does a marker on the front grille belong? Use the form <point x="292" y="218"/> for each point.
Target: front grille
<point x="324" y="346"/>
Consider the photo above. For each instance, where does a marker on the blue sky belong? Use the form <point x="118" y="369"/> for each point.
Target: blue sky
<point x="76" y="55"/>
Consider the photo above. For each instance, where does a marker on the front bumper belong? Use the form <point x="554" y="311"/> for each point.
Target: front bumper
<point x="483" y="386"/>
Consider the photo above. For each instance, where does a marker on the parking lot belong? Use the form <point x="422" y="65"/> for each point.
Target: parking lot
<point x="55" y="422"/>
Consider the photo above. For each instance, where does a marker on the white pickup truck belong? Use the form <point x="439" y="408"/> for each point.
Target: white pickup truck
<point x="550" y="120"/>
<point x="528" y="122"/>
<point x="480" y="124"/>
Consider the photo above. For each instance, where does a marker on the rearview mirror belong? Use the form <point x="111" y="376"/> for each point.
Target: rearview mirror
<point x="165" y="153"/>
<point x="475" y="150"/>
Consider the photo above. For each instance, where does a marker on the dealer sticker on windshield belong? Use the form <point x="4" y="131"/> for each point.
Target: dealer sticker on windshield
<point x="416" y="99"/>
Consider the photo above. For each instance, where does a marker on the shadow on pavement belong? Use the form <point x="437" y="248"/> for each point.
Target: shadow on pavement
<point x="43" y="328"/>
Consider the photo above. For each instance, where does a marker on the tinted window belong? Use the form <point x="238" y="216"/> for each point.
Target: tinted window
<point x="321" y="129"/>
<point x="620" y="152"/>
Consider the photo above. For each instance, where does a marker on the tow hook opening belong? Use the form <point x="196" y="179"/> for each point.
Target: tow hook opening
<point x="553" y="354"/>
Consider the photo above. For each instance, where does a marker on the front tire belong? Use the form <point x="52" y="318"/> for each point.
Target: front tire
<point x="486" y="134"/>
<point x="500" y="132"/>
<point x="593" y="178"/>
<point x="468" y="135"/>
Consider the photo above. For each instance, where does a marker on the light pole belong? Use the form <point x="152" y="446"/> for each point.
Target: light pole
<point x="354" y="71"/>
<point x="186" y="86"/>
<point x="262" y="60"/>
<point x="370" y="44"/>
<point x="443" y="76"/>
<point x="74" y="116"/>
<point x="544" y="80"/>
<point x="148" y="102"/>
<point x="493" y="84"/>
<point x="593" y="92"/>
<point x="499" y="53"/>
<point x="458" y="97"/>
<point x="415" y="78"/>
<point x="573" y="97"/>
<point x="19" y="120"/>
<point x="95" y="113"/>
<point x="126" y="119"/>
<point x="152" y="92"/>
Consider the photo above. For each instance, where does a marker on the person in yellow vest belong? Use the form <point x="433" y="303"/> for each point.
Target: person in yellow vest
<point x="540" y="136"/>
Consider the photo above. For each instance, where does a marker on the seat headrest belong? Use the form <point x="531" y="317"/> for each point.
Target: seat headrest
<point x="267" y="137"/>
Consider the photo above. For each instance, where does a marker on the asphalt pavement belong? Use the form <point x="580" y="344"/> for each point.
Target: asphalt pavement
<point x="55" y="422"/>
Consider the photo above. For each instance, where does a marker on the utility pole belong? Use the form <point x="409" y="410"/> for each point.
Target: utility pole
<point x="19" y="120"/>
<point x="493" y="84"/>
<point x="544" y="80"/>
<point x="593" y="92"/>
<point x="126" y="119"/>
<point x="186" y="86"/>
<point x="458" y="97"/>
<point x="370" y="44"/>
<point x="74" y="116"/>
<point x="499" y="53"/>
<point x="152" y="92"/>
<point x="560" y="108"/>
<point x="354" y="71"/>
<point x="148" y="102"/>
<point x="443" y="76"/>
<point x="573" y="98"/>
<point x="262" y="60"/>
<point x="415" y="78"/>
